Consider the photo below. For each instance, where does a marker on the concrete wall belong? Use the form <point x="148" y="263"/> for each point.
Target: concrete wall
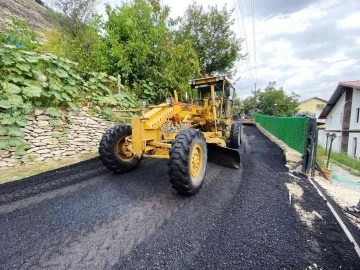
<point x="322" y="138"/>
<point x="49" y="143"/>
<point x="336" y="146"/>
<point x="351" y="148"/>
<point x="334" y="118"/>
<point x="334" y="123"/>
<point x="355" y="105"/>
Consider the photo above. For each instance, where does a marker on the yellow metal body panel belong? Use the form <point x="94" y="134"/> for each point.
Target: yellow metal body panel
<point x="249" y="121"/>
<point x="136" y="136"/>
<point x="159" y="118"/>
<point x="152" y="137"/>
<point x="151" y="113"/>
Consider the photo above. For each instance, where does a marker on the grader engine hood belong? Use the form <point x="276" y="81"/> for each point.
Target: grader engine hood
<point x="178" y="112"/>
<point x="156" y="117"/>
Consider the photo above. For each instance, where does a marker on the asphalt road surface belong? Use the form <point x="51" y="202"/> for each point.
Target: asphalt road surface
<point x="85" y="217"/>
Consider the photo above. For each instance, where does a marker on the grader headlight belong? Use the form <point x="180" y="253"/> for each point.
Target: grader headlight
<point x="144" y="103"/>
<point x="168" y="100"/>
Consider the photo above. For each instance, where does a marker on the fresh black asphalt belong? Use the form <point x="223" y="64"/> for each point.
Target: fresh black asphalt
<point x="85" y="217"/>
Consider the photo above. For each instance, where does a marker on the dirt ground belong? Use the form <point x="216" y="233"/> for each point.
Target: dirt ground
<point x="344" y="188"/>
<point x="9" y="174"/>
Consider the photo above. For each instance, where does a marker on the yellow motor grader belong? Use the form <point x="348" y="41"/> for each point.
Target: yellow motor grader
<point x="180" y="132"/>
<point x="248" y="120"/>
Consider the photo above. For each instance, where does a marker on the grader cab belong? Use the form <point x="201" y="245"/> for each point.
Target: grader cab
<point x="181" y="132"/>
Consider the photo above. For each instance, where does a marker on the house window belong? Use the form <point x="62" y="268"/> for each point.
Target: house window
<point x="355" y="147"/>
<point x="357" y="115"/>
<point x="320" y="106"/>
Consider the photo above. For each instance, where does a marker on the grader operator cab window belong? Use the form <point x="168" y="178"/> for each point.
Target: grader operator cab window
<point x="223" y="95"/>
<point x="228" y="102"/>
<point x="227" y="91"/>
<point x="205" y="92"/>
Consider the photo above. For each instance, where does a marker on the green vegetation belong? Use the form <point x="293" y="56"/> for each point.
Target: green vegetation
<point x="285" y="104"/>
<point x="237" y="106"/>
<point x="17" y="32"/>
<point x="321" y="157"/>
<point x="138" y="46"/>
<point x="138" y="53"/>
<point x="338" y="158"/>
<point x="29" y="79"/>
<point x="152" y="53"/>
<point x="248" y="104"/>
<point x="266" y="100"/>
<point x="209" y="31"/>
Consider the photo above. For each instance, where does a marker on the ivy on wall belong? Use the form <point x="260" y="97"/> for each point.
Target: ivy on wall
<point x="30" y="80"/>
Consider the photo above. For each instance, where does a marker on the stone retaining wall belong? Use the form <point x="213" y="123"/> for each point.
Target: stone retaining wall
<point x="49" y="143"/>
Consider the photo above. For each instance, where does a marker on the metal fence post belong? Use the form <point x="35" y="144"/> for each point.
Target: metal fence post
<point x="332" y="137"/>
<point x="313" y="164"/>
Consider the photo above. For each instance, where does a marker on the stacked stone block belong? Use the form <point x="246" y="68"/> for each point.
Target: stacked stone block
<point x="81" y="134"/>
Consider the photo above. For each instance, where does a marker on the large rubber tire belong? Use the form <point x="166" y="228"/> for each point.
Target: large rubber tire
<point x="235" y="135"/>
<point x="110" y="150"/>
<point x="188" y="159"/>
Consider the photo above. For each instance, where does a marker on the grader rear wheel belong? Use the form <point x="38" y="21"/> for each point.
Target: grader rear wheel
<point x="188" y="159"/>
<point x="115" y="148"/>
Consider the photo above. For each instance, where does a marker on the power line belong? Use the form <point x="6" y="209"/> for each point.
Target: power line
<point x="237" y="16"/>
<point x="254" y="37"/>
<point x="247" y="48"/>
<point x="244" y="33"/>
<point x="245" y="38"/>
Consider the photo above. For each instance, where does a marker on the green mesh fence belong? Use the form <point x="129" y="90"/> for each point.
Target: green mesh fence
<point x="291" y="130"/>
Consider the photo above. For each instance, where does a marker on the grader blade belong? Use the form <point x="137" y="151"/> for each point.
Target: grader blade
<point x="224" y="156"/>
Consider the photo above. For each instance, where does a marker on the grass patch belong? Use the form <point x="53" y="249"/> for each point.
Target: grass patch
<point x="320" y="157"/>
<point x="339" y="158"/>
<point x="16" y="173"/>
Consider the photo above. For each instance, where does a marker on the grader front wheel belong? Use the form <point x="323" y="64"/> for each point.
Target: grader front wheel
<point x="115" y="148"/>
<point x="188" y="159"/>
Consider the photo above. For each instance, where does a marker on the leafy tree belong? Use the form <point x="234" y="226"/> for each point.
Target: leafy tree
<point x="80" y="49"/>
<point x="237" y="105"/>
<point x="213" y="40"/>
<point x="248" y="104"/>
<point x="77" y="34"/>
<point x="139" y="47"/>
<point x="77" y="13"/>
<point x="285" y="104"/>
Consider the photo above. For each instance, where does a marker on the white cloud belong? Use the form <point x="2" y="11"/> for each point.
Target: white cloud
<point x="351" y="21"/>
<point x="291" y="23"/>
<point x="336" y="67"/>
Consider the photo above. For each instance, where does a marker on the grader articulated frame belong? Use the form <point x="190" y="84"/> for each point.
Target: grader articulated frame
<point x="180" y="132"/>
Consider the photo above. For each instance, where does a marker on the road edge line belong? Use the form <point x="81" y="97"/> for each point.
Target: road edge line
<point x="343" y="226"/>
